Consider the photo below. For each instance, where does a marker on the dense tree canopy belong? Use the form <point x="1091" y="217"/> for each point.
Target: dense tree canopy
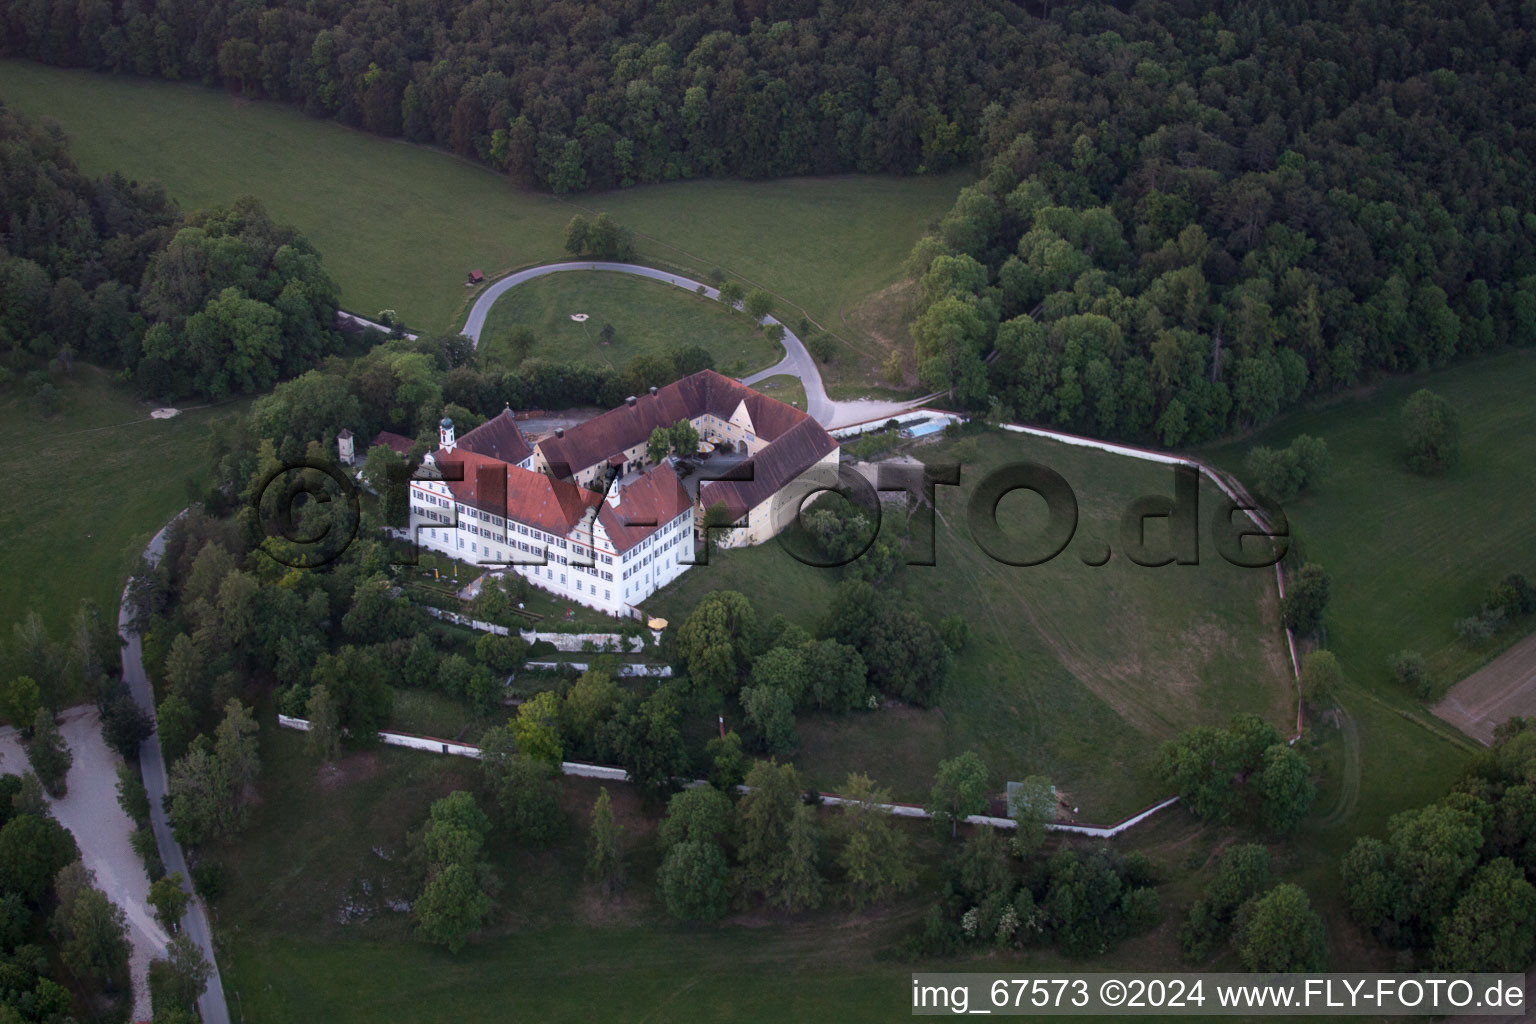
<point x="214" y="303"/>
<point x="1196" y="216"/>
<point x="580" y="95"/>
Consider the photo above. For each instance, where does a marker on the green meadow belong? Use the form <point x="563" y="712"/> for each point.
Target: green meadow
<point x="1409" y="555"/>
<point x="91" y="484"/>
<point x="400" y="226"/>
<point x="646" y="317"/>
<point x="1073" y="671"/>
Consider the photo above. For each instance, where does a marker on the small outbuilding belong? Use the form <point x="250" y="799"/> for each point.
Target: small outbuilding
<point x="476" y="276"/>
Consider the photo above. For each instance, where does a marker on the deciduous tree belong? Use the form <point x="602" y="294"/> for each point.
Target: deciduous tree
<point x="958" y="791"/>
<point x="1280" y="932"/>
<point x="875" y="857"/>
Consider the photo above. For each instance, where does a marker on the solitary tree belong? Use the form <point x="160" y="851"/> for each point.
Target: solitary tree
<point x="758" y="303"/>
<point x="454" y="901"/>
<point x="605" y="855"/>
<point x="1431" y="432"/>
<point x="1410" y="670"/>
<point x="49" y="753"/>
<point x="659" y="444"/>
<point x="958" y="792"/>
<point x="451" y="906"/>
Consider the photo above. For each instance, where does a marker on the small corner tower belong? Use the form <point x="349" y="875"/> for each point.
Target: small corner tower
<point x="344" y="450"/>
<point x="445" y="434"/>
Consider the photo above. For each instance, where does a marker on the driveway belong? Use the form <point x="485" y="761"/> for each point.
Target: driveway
<point x="211" y="1005"/>
<point x="101" y="828"/>
<point x="797" y="362"/>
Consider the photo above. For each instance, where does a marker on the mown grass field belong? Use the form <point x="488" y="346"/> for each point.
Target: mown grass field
<point x="1074" y="672"/>
<point x="90" y="485"/>
<point x="648" y="317"/>
<point x="400" y="226"/>
<point x="1409" y="555"/>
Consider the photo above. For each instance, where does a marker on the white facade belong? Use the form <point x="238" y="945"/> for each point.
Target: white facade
<point x="582" y="567"/>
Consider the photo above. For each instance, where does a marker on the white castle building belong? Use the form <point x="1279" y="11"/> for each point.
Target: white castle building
<point x="586" y="515"/>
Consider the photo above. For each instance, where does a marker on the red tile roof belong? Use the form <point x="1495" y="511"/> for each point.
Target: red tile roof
<point x="646" y="504"/>
<point x="399" y="442"/>
<point x="794" y="452"/>
<point x="533" y="499"/>
<point x="617" y="430"/>
<point x="499" y="438"/>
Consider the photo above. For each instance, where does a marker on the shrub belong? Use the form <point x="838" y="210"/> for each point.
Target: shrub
<point x="208" y="880"/>
<point x="1409" y="670"/>
<point x="1475" y="630"/>
<point x="1320" y="676"/>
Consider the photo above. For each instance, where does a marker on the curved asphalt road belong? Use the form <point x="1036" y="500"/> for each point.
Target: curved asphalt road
<point x="211" y="1004"/>
<point x="797" y="362"/>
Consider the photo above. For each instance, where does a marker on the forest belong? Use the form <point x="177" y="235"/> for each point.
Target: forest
<point x="1191" y="220"/>
<point x="213" y="303"/>
<point x="576" y="95"/>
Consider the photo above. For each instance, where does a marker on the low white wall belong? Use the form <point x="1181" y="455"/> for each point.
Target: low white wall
<point x="626" y="670"/>
<point x="576" y="641"/>
<point x="433" y="745"/>
<point x="464" y="620"/>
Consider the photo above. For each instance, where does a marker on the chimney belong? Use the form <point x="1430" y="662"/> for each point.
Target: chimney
<point x="559" y="431"/>
<point x="630" y="401"/>
<point x="653" y="391"/>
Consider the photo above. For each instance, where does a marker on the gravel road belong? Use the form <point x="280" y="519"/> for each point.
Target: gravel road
<point x="101" y="828"/>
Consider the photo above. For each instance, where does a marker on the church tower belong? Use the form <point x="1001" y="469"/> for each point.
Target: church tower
<point x="445" y="434"/>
